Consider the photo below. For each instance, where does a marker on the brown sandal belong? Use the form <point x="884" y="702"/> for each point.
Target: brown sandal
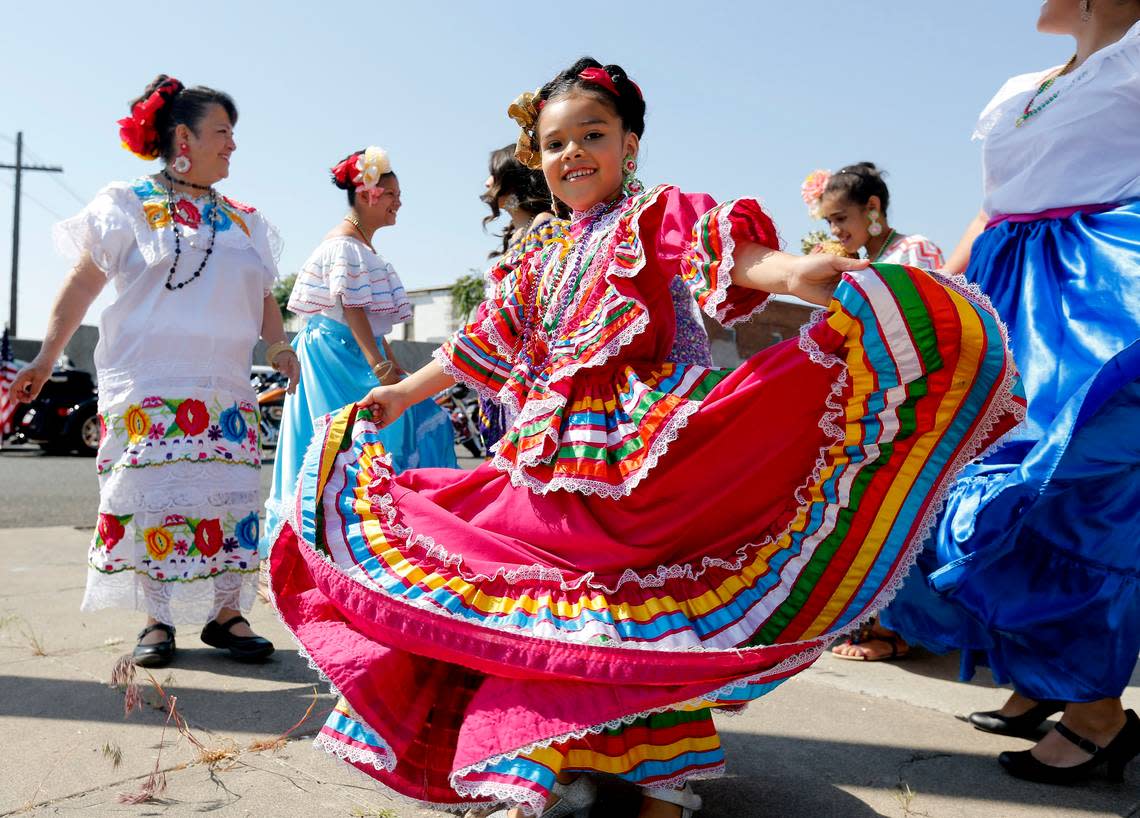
<point x="899" y="648"/>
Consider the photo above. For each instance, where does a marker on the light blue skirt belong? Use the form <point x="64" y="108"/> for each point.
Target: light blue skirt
<point x="1034" y="569"/>
<point x="334" y="373"/>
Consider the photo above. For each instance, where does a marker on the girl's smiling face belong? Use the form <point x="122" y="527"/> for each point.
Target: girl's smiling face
<point x="583" y="145"/>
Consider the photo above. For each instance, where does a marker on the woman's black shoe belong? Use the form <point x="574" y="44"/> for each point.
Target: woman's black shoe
<point x="992" y="721"/>
<point x="1114" y="757"/>
<point x="158" y="654"/>
<point x="243" y="648"/>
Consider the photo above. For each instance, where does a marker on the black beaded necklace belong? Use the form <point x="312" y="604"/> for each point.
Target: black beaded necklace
<point x="213" y="219"/>
<point x="166" y="175"/>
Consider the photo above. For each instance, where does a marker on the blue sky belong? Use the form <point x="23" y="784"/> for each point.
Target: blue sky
<point x="744" y="99"/>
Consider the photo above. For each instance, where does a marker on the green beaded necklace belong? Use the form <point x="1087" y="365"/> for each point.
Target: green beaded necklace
<point x="1031" y="109"/>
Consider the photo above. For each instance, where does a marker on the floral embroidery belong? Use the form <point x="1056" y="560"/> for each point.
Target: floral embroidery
<point x="156" y="208"/>
<point x="175" y="548"/>
<point x="159" y="542"/>
<point x="137" y="423"/>
<point x="110" y="529"/>
<point x="157" y="215"/>
<point x="248" y="530"/>
<point x="186" y="213"/>
<point x="233" y="424"/>
<point x="192" y="416"/>
<point x="160" y="430"/>
<point x="208" y="537"/>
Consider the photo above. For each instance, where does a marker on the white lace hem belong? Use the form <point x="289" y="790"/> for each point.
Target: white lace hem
<point x="192" y="602"/>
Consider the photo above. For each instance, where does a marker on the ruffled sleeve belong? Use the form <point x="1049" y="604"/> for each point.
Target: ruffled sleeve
<point x="102" y="229"/>
<point x="345" y="273"/>
<point x="708" y="256"/>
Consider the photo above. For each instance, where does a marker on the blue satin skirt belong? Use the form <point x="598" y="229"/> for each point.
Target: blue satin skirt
<point x="1034" y="568"/>
<point x="334" y="372"/>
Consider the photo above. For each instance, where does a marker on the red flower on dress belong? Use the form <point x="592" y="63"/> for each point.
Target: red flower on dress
<point x="208" y="537"/>
<point x="110" y="530"/>
<point x="186" y="213"/>
<point x="192" y="417"/>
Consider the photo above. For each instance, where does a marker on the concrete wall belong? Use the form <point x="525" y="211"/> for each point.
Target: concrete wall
<point x="779" y="322"/>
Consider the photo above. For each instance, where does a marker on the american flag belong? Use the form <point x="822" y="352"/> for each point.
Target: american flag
<point x="8" y="372"/>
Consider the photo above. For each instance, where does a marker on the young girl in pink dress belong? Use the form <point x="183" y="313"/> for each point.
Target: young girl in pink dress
<point x="652" y="539"/>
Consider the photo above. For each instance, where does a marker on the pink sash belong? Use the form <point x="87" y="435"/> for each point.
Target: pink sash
<point x="1051" y="213"/>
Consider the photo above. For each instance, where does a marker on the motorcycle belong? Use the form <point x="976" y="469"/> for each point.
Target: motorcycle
<point x="269" y="386"/>
<point x="462" y="405"/>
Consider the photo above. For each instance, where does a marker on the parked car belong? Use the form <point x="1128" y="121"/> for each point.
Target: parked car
<point x="64" y="417"/>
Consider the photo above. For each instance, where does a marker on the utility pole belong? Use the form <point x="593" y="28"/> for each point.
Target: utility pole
<point x="19" y="167"/>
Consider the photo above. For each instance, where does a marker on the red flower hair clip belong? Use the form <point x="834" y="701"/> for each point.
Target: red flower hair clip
<point x="137" y="131"/>
<point x="345" y="170"/>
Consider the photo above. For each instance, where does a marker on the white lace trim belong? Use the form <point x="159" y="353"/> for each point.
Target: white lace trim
<point x="192" y="602"/>
<point x="724" y="272"/>
<point x="381" y="762"/>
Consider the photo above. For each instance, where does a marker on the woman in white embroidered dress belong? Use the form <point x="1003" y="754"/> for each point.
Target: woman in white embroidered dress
<point x="178" y="464"/>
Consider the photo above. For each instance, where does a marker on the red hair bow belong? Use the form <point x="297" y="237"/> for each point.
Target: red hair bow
<point x="137" y="131"/>
<point x="600" y="76"/>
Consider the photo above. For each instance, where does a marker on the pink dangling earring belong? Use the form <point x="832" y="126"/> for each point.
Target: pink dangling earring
<point x="876" y="227"/>
<point x="181" y="163"/>
<point x="630" y="184"/>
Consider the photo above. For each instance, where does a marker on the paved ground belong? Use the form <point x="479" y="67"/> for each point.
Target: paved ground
<point x="37" y="488"/>
<point x="843" y="739"/>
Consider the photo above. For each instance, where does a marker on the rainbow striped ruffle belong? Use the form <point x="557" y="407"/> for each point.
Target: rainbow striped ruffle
<point x="485" y="637"/>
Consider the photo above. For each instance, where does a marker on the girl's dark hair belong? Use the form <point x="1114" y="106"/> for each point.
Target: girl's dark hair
<point x="858" y="183"/>
<point x="510" y="176"/>
<point x="628" y="103"/>
<point x="186" y="107"/>
<point x="349" y="186"/>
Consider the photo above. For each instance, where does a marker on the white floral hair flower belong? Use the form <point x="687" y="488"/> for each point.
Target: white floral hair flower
<point x="372" y="164"/>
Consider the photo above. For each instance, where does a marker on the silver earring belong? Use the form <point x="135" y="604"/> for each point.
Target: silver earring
<point x="511" y="202"/>
<point x="1086" y="10"/>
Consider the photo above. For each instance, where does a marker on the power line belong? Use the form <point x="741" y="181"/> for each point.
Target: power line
<point x="34" y="200"/>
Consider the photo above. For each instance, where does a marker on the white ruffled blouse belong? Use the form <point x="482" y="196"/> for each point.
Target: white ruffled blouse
<point x="1079" y="149"/>
<point x="343" y="272"/>
<point x="204" y="332"/>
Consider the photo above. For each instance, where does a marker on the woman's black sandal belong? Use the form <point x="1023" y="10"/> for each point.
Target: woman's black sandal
<point x="157" y="654"/>
<point x="243" y="648"/>
<point x="1114" y="757"/>
<point x="992" y="721"/>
